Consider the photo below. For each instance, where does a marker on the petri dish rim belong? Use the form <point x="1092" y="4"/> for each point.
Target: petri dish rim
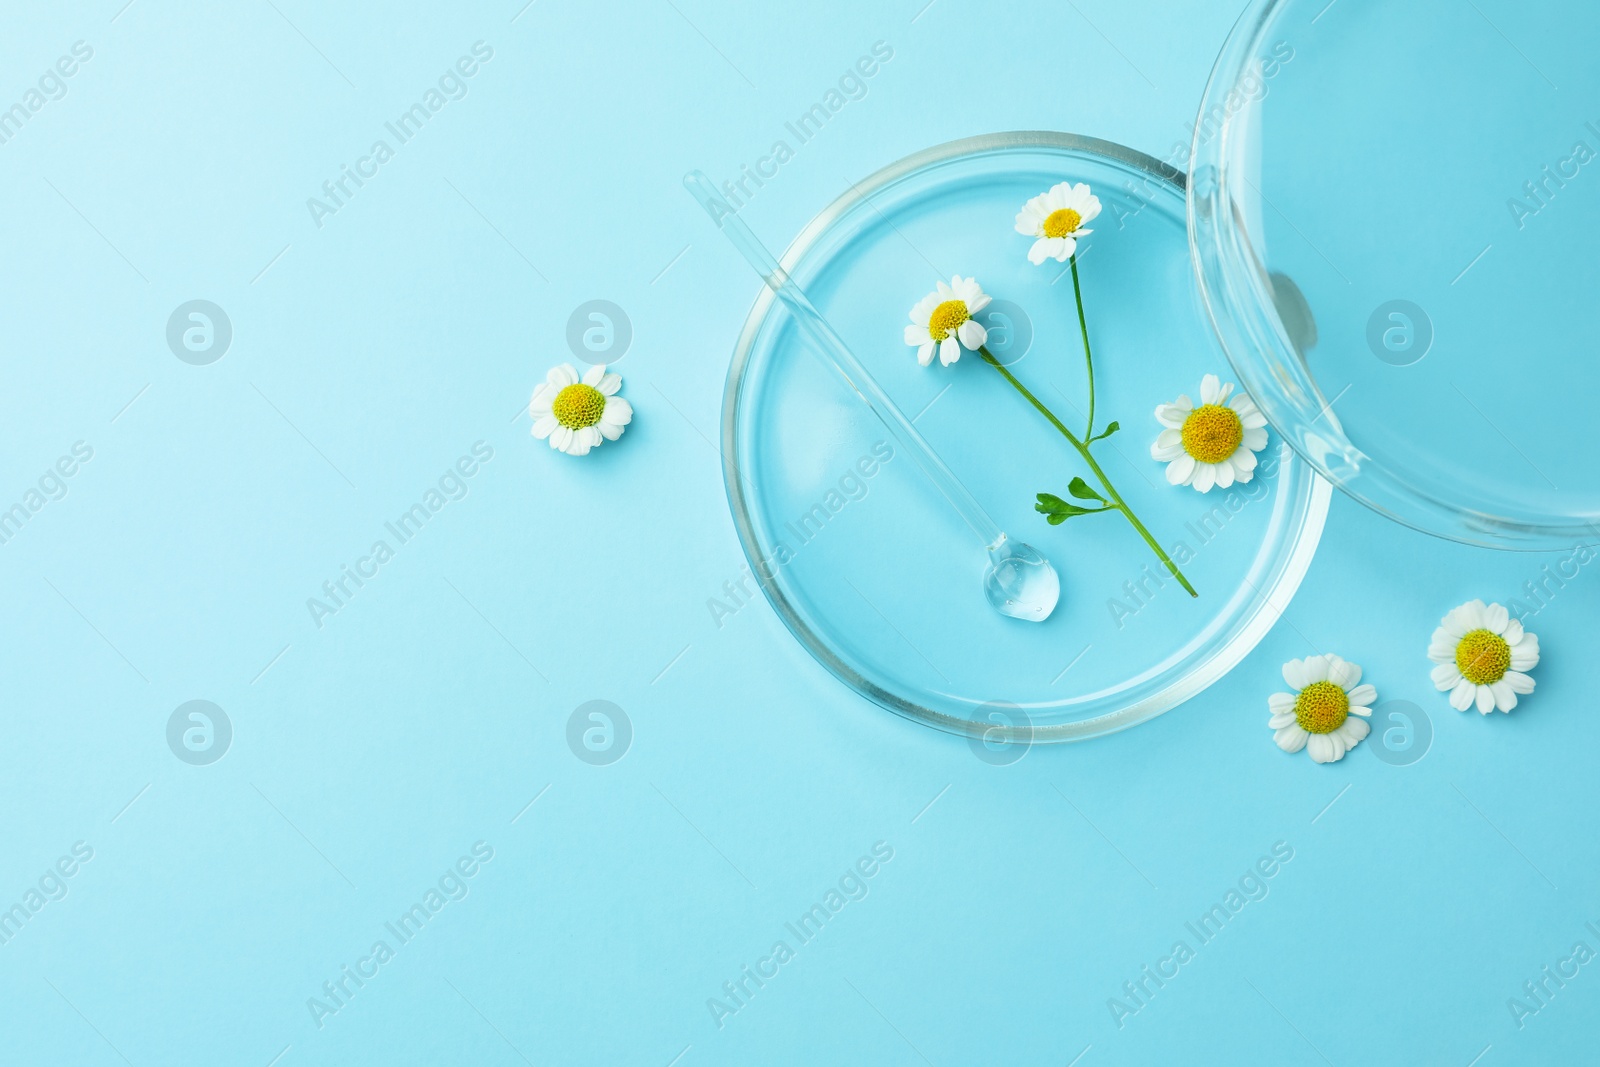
<point x="1308" y="494"/>
<point x="1237" y="293"/>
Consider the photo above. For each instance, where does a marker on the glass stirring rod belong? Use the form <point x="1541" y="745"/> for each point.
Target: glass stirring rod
<point x="1019" y="582"/>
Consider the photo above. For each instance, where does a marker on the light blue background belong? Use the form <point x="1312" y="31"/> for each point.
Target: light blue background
<point x="369" y="754"/>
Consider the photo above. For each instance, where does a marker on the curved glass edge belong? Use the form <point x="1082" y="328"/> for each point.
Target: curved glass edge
<point x="1309" y="493"/>
<point x="1237" y="291"/>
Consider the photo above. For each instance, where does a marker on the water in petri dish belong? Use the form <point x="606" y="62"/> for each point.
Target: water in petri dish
<point x="881" y="579"/>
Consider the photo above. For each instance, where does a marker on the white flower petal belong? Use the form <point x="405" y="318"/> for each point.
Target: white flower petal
<point x="1343" y="673"/>
<point x="1165" y="453"/>
<point x="1029" y="220"/>
<point x="926" y="351"/>
<point x="1461" y="696"/>
<point x="592" y="376"/>
<point x="1181" y="470"/>
<point x="972" y="334"/>
<point x="1171" y="416"/>
<point x="1205" y="476"/>
<point x="618" y="412"/>
<point x="1519" y="682"/>
<point x="1505" y="698"/>
<point x="1210" y="389"/>
<point x="1485" y="698"/>
<point x="1294" y="673"/>
<point x="1280" y="702"/>
<point x="1495" y="618"/>
<point x="1291" y="738"/>
<point x="545" y="426"/>
<point x="1323" y="748"/>
<point x="1445" y="676"/>
<point x="949" y="351"/>
<point x="562" y="375"/>
<point x="1317" y="668"/>
<point x="1364" y="695"/>
<point x="1341" y="744"/>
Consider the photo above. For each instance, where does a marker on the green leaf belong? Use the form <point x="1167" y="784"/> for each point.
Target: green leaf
<point x="1058" y="511"/>
<point x="1080" y="489"/>
<point x="1107" y="432"/>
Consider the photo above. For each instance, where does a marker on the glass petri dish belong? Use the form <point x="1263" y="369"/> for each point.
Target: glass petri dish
<point x="869" y="567"/>
<point x="1394" y="213"/>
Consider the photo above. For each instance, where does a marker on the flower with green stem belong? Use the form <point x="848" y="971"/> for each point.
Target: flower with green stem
<point x="1055" y="218"/>
<point x="944" y="321"/>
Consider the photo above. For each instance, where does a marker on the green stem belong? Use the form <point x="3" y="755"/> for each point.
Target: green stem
<point x="1088" y="356"/>
<point x="1105" y="482"/>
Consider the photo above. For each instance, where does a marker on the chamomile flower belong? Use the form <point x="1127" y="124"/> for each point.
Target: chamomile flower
<point x="943" y="321"/>
<point x="1056" y="218"/>
<point x="1483" y="657"/>
<point x="576" y="414"/>
<point x="1327" y="712"/>
<point x="1213" y="444"/>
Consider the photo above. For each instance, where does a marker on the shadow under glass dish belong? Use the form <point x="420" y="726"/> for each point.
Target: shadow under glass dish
<point x="869" y="568"/>
<point x="1395" y="212"/>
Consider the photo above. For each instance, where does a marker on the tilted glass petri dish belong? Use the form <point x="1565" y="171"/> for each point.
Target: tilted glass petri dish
<point x="1394" y="212"/>
<point x="865" y="563"/>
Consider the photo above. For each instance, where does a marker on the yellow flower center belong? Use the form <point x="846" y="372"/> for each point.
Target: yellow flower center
<point x="1321" y="708"/>
<point x="1212" y="432"/>
<point x="1061" y="223"/>
<point x="578" y="406"/>
<point x="1483" y="657"/>
<point x="946" y="317"/>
